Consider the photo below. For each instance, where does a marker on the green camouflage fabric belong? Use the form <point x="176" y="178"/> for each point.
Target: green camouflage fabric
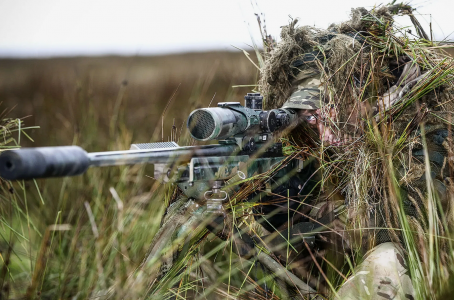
<point x="307" y="96"/>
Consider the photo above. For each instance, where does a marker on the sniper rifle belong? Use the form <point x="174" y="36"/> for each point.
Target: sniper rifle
<point x="246" y="146"/>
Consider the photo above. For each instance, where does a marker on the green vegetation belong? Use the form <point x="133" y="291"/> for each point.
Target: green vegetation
<point x="116" y="233"/>
<point x="83" y="237"/>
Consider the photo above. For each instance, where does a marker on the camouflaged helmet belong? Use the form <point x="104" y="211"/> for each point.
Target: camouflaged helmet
<point x="307" y="96"/>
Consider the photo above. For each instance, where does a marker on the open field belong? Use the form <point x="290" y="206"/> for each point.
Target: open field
<point x="60" y="94"/>
<point x="101" y="104"/>
<point x="450" y="51"/>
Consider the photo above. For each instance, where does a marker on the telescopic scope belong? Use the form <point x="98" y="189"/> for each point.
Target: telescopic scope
<point x="217" y="122"/>
<point x="230" y="119"/>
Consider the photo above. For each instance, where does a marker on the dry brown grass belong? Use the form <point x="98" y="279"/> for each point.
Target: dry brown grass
<point x="450" y="51"/>
<point x="58" y="94"/>
<point x="102" y="103"/>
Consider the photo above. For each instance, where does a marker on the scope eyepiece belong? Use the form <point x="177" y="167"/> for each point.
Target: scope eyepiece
<point x="276" y="119"/>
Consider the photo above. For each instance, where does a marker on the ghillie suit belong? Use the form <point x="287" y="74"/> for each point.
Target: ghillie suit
<point x="395" y="173"/>
<point x="393" y="95"/>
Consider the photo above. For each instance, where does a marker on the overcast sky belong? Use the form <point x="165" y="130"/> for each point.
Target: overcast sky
<point x="42" y="28"/>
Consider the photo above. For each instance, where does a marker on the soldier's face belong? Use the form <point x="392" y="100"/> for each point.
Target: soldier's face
<point x="323" y="122"/>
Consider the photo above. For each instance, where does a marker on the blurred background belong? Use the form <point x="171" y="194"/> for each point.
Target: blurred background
<point x="105" y="74"/>
<point x="61" y="60"/>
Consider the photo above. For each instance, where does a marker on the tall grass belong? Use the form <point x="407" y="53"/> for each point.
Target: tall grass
<point x="85" y="237"/>
<point x="90" y="236"/>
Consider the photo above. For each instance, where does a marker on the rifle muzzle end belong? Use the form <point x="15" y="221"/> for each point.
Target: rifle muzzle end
<point x="43" y="162"/>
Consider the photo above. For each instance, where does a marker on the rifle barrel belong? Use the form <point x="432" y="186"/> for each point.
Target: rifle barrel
<point x="43" y="162"/>
<point x="163" y="155"/>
